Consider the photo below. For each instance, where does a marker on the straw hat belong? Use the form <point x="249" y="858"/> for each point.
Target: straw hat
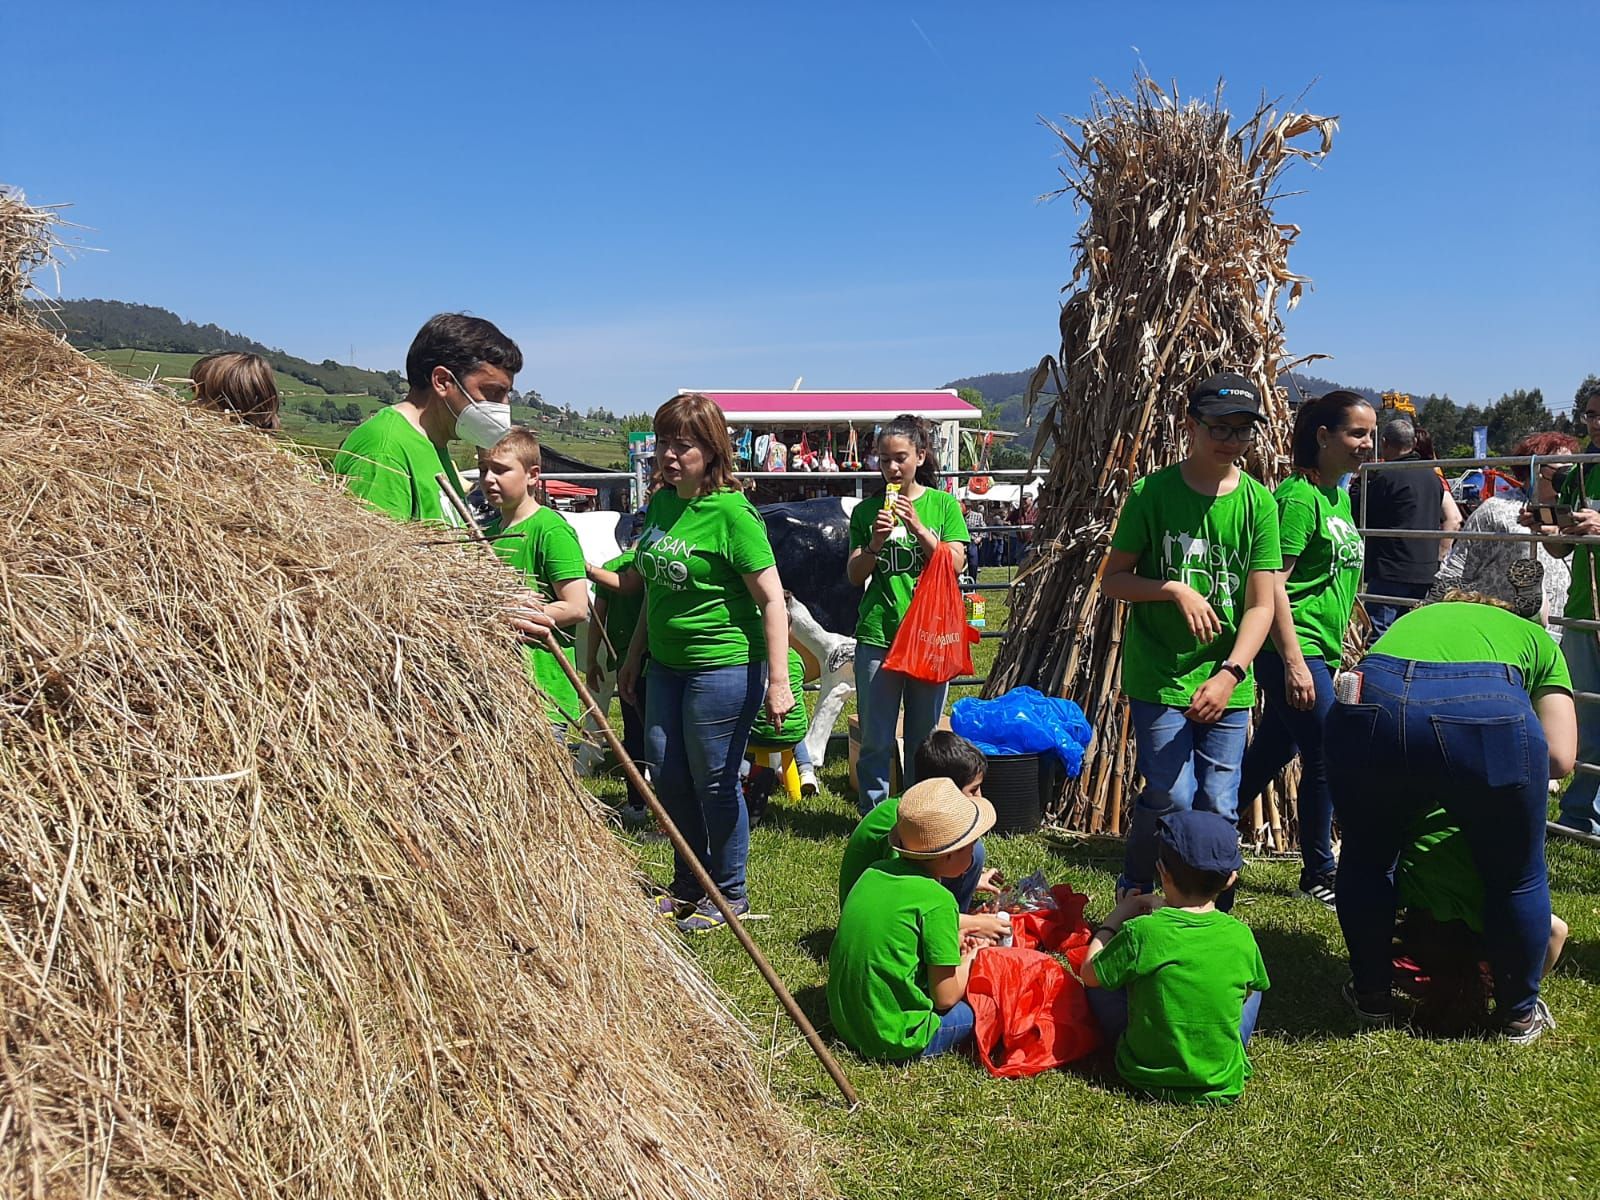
<point x="936" y="817"/>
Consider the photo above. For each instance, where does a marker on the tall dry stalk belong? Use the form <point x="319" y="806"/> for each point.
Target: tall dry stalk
<point x="299" y="896"/>
<point x="1181" y="267"/>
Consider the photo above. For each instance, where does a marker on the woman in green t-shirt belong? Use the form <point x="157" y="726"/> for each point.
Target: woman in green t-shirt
<point x="1316" y="592"/>
<point x="717" y="634"/>
<point x="892" y="537"/>
<point x="1466" y="706"/>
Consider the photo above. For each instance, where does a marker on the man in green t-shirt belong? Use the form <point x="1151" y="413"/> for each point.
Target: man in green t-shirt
<point x="544" y="548"/>
<point x="1185" y="980"/>
<point x="459" y="370"/>
<point x="897" y="970"/>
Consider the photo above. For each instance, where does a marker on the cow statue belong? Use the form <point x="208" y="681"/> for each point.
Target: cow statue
<point x="810" y="543"/>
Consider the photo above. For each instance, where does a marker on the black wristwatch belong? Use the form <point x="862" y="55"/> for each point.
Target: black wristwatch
<point x="1232" y="668"/>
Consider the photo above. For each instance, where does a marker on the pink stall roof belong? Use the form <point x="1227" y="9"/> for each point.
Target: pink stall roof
<point x="756" y="408"/>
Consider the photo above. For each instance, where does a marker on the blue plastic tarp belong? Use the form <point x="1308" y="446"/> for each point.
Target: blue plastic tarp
<point x="1025" y="721"/>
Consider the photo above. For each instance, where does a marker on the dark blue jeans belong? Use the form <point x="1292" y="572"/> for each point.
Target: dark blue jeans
<point x="1464" y="737"/>
<point x="1284" y="730"/>
<point x="955" y="1029"/>
<point x="697" y="724"/>
<point x="966" y="884"/>
<point x="1385" y="615"/>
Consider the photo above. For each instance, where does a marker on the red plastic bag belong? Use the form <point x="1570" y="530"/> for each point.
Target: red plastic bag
<point x="934" y="642"/>
<point x="1061" y="930"/>
<point x="1031" y="1013"/>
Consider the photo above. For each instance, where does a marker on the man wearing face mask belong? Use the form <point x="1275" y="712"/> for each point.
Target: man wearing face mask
<point x="460" y="370"/>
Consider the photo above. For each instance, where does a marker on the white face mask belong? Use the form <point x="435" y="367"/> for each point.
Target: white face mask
<point x="481" y="422"/>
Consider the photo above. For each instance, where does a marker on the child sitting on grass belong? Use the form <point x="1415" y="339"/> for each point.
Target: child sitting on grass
<point x="897" y="972"/>
<point x="540" y="544"/>
<point x="943" y="755"/>
<point x="1440" y="938"/>
<point x="1176" y="982"/>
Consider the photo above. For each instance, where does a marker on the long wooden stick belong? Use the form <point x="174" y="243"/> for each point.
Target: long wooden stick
<point x="674" y="835"/>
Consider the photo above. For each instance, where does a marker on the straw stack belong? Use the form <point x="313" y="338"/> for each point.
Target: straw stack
<point x="1180" y="269"/>
<point x="298" y="896"/>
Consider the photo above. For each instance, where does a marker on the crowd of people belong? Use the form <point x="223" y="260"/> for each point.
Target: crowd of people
<point x="1434" y="754"/>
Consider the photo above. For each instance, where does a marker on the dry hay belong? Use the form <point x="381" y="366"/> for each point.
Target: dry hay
<point x="297" y="895"/>
<point x="1180" y="269"/>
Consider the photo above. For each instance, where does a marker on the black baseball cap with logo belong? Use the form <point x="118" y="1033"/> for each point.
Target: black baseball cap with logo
<point x="1224" y="396"/>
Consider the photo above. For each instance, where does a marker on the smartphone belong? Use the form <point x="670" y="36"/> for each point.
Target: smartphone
<point x="1552" y="514"/>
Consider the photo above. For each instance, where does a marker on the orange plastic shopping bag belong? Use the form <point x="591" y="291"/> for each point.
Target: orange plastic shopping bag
<point x="934" y="642"/>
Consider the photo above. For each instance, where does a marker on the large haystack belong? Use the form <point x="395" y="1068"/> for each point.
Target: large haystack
<point x="297" y="896"/>
<point x="1181" y="265"/>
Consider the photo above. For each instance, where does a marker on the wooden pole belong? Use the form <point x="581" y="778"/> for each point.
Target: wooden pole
<point x="674" y="835"/>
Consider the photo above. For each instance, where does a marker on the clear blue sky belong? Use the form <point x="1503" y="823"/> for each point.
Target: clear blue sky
<point x="733" y="195"/>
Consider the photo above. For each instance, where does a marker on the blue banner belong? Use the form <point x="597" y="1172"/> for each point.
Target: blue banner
<point x="1480" y="441"/>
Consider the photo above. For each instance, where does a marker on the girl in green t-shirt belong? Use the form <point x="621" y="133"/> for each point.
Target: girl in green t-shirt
<point x="1315" y="594"/>
<point x="891" y="538"/>
<point x="717" y="633"/>
<point x="1193" y="554"/>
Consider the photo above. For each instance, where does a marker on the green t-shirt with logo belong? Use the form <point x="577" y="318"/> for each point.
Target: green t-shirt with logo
<point x="1211" y="543"/>
<point x="1316" y="529"/>
<point x="1187" y="975"/>
<point x="622" y="611"/>
<point x="868" y="843"/>
<point x="1459" y="631"/>
<point x="1581" y="490"/>
<point x="897" y="922"/>
<point x="694" y="555"/>
<point x="796" y="725"/>
<point x="388" y="463"/>
<point x="546" y="550"/>
<point x="1437" y="872"/>
<point x="894" y="576"/>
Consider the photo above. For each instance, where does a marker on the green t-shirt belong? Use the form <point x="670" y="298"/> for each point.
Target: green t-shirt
<point x="1437" y="872"/>
<point x="868" y="844"/>
<point x="1316" y="529"/>
<point x="1582" y="489"/>
<point x="898" y="922"/>
<point x="796" y="724"/>
<point x="1459" y="631"/>
<point x="622" y="611"/>
<point x="899" y="565"/>
<point x="1187" y="975"/>
<point x="1211" y="543"/>
<point x="387" y="462"/>
<point x="545" y="549"/>
<point x="694" y="555"/>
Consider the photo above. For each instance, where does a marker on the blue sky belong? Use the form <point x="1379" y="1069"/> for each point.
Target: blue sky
<point x="734" y="195"/>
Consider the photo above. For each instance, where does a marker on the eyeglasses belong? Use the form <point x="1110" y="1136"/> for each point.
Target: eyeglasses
<point x="1589" y="418"/>
<point x="1235" y="433"/>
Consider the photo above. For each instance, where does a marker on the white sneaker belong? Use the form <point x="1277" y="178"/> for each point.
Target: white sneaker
<point x="808" y="781"/>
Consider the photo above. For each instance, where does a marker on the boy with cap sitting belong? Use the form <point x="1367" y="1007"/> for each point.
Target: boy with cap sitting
<point x="897" y="972"/>
<point x="1179" y="981"/>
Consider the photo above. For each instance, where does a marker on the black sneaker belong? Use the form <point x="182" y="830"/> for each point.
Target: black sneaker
<point x="1371" y="1008"/>
<point x="1319" y="888"/>
<point x="1529" y="1027"/>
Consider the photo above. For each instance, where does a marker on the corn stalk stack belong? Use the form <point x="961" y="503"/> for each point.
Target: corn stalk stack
<point x="1181" y="266"/>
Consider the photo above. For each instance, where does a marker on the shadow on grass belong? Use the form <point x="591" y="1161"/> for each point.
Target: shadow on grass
<point x="1580" y="959"/>
<point x="813" y="1001"/>
<point x="813" y="824"/>
<point x="1303" y="1001"/>
<point x="817" y="943"/>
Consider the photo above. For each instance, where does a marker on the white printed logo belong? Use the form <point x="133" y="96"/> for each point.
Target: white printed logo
<point x="664" y="560"/>
<point x="1216" y="572"/>
<point x="1348" y="550"/>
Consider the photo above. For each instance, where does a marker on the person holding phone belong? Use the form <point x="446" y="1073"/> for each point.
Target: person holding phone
<point x="1472" y="565"/>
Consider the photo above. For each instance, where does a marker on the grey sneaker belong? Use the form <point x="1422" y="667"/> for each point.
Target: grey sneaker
<point x="1370" y="1008"/>
<point x="1529" y="1027"/>
<point x="707" y="917"/>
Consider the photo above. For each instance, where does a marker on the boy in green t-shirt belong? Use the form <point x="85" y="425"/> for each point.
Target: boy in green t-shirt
<point x="1186" y="978"/>
<point x="541" y="545"/>
<point x="897" y="971"/>
<point x="945" y="755"/>
<point x="1194" y="554"/>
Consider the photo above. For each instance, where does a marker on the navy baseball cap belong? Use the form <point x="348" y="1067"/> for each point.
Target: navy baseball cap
<point x="1206" y="841"/>
<point x="1224" y="395"/>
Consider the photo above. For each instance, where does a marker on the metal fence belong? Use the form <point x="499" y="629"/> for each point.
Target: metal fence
<point x="1586" y="625"/>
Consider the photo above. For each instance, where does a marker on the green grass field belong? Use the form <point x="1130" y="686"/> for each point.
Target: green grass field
<point x="1332" y="1111"/>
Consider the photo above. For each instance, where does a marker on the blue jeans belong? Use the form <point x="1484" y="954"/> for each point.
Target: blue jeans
<point x="879" y="695"/>
<point x="1283" y="730"/>
<point x="1110" y="1009"/>
<point x="965" y="885"/>
<point x="1462" y="737"/>
<point x="1580" y="804"/>
<point x="1385" y="615"/>
<point x="697" y="724"/>
<point x="1186" y="765"/>
<point x="955" y="1029"/>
